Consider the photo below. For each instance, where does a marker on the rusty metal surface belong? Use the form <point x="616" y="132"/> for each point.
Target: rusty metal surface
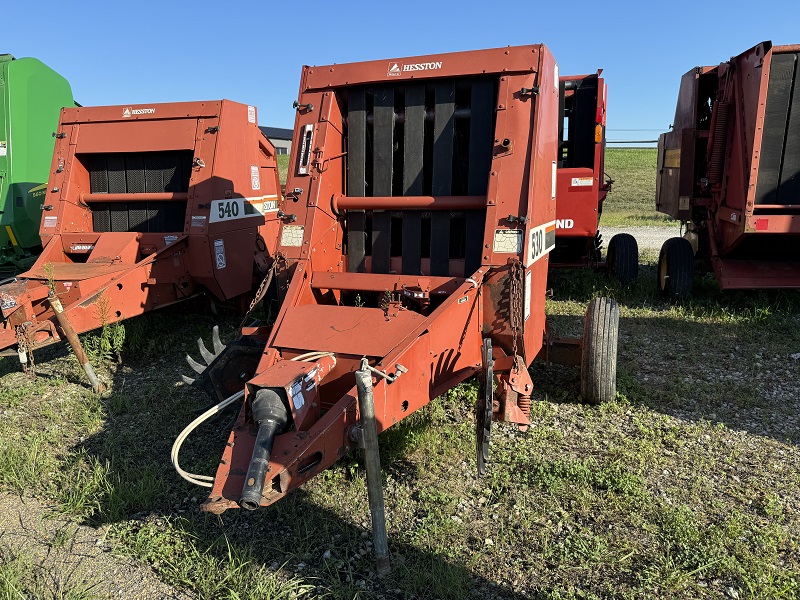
<point x="345" y="329"/>
<point x="419" y="349"/>
<point x="721" y="168"/>
<point x="133" y="197"/>
<point x="748" y="274"/>
<point x="408" y="202"/>
<point x="524" y="59"/>
<point x="141" y="234"/>
<point x="335" y="280"/>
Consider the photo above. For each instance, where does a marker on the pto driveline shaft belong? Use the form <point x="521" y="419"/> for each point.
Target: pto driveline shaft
<point x="270" y="412"/>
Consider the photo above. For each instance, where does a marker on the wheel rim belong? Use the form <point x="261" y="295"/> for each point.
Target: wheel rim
<point x="662" y="273"/>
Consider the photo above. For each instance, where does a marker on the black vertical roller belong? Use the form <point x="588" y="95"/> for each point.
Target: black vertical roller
<point x="356" y="178"/>
<point x="773" y="139"/>
<point x="117" y="185"/>
<point x="135" y="182"/>
<point x="789" y="191"/>
<point x="481" y="129"/>
<point x="171" y="171"/>
<point x="382" y="175"/>
<point x="98" y="184"/>
<point x="413" y="150"/>
<point x="442" y="176"/>
<point x="154" y="183"/>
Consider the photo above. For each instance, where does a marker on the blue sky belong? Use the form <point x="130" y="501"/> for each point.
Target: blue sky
<point x="145" y="51"/>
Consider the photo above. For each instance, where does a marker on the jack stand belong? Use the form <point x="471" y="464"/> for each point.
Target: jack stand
<point x="372" y="458"/>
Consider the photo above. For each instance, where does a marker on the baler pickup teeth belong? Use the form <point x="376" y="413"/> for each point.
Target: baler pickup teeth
<point x="207" y="355"/>
<point x="225" y="370"/>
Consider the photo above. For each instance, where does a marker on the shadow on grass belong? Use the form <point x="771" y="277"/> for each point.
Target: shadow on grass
<point x="718" y="356"/>
<point x="313" y="543"/>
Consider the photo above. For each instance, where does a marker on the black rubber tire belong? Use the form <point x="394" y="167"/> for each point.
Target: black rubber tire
<point x="675" y="275"/>
<point x="622" y="258"/>
<point x="599" y="352"/>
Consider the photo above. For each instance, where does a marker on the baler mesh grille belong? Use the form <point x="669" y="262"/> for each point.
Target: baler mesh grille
<point x="779" y="164"/>
<point x="139" y="173"/>
<point x="418" y="139"/>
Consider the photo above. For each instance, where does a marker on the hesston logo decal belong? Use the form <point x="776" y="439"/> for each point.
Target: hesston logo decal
<point x="397" y="68"/>
<point x="128" y="111"/>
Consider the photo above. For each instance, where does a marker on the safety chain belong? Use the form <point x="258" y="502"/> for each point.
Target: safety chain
<point x="260" y="292"/>
<point x="281" y="266"/>
<point x="515" y="272"/>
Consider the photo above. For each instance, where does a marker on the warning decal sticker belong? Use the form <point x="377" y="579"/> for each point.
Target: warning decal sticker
<point x="508" y="241"/>
<point x="219" y="254"/>
<point x="292" y="235"/>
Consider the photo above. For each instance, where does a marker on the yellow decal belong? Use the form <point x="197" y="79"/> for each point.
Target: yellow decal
<point x="672" y="159"/>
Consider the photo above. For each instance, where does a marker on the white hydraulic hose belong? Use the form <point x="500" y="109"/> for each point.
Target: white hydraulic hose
<point x="202" y="480"/>
<point x="313" y="355"/>
<point x="206" y="480"/>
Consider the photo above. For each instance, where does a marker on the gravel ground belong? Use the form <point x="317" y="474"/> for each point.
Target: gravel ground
<point x="648" y="238"/>
<point x="74" y="557"/>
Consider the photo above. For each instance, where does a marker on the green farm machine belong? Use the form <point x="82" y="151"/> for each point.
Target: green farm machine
<point x="31" y="97"/>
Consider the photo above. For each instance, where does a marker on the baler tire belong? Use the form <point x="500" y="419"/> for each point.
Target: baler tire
<point x="675" y="275"/>
<point x="622" y="258"/>
<point x="599" y="351"/>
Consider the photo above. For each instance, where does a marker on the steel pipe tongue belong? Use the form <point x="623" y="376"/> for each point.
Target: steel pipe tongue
<point x="270" y="412"/>
<point x="69" y="332"/>
<point x="366" y="407"/>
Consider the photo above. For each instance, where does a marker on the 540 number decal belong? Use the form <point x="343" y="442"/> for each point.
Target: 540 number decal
<point x="228" y="209"/>
<point x="241" y="208"/>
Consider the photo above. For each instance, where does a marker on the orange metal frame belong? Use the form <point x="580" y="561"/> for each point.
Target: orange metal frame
<point x="725" y="212"/>
<point x="224" y="241"/>
<point x="425" y="332"/>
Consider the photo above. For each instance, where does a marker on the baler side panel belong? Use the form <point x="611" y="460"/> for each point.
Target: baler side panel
<point x="541" y="204"/>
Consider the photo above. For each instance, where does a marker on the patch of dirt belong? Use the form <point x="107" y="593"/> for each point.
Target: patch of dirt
<point x="74" y="556"/>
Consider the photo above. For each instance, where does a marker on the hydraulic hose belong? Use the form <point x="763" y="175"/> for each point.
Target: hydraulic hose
<point x="263" y="446"/>
<point x="202" y="480"/>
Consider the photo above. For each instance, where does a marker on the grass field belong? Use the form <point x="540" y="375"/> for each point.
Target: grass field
<point x="631" y="201"/>
<point x="283" y="166"/>
<point x="686" y="486"/>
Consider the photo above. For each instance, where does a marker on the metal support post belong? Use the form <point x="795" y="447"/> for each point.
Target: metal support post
<point x="69" y="332"/>
<point x="366" y="408"/>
